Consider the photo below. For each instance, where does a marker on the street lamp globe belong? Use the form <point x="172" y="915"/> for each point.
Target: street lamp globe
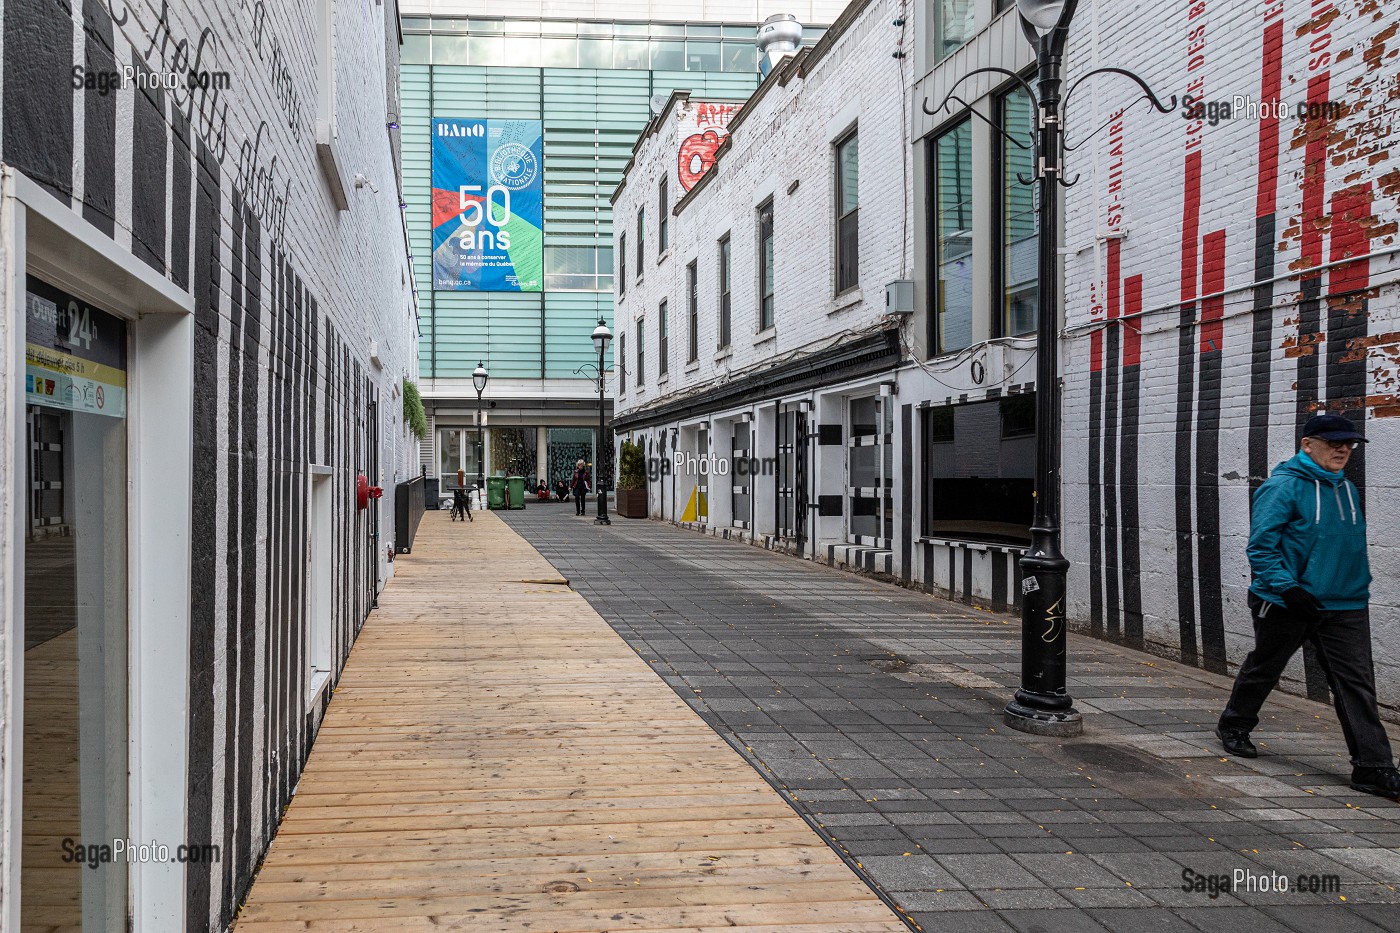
<point x="1044" y="15"/>
<point x="601" y="337"/>
<point x="479" y="378"/>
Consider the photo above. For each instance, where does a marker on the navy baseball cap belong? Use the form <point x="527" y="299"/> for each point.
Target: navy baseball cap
<point x="1332" y="428"/>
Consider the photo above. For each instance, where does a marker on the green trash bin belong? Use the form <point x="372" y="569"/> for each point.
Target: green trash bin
<point x="517" y="491"/>
<point x="495" y="492"/>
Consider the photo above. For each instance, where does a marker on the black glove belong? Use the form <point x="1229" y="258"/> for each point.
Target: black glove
<point x="1302" y="604"/>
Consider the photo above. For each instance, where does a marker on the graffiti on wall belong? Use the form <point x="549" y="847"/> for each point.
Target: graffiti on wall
<point x="702" y="127"/>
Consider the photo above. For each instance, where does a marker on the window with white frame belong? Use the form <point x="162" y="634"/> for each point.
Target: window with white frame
<point x="663" y="231"/>
<point x="725" y="270"/>
<point x="847" y="201"/>
<point x="663" y="333"/>
<point x="692" y="313"/>
<point x="765" y="265"/>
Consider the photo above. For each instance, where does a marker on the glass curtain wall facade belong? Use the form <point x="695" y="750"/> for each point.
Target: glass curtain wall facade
<point x="591" y="84"/>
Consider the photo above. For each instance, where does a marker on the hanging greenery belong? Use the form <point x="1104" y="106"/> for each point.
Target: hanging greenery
<point x="413" y="414"/>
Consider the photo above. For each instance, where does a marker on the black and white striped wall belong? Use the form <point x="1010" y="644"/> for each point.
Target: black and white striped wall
<point x="303" y="328"/>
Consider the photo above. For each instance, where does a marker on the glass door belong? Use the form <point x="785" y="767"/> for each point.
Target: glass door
<point x="75" y="616"/>
<point x="458" y="449"/>
<point x="870" y="487"/>
<point x="740" y="452"/>
<point x="702" y="488"/>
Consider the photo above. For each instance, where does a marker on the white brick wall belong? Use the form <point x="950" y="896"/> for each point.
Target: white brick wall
<point x="781" y="149"/>
<point x="1351" y="45"/>
<point x="352" y="266"/>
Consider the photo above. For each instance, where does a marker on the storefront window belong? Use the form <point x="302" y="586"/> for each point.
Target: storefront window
<point x="75" y="613"/>
<point x="979" y="468"/>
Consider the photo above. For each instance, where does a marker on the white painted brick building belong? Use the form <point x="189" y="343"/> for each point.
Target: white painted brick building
<point x="208" y="304"/>
<point x="1194" y="342"/>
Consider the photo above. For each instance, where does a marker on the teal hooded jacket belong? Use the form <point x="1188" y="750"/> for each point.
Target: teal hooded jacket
<point x="1307" y="530"/>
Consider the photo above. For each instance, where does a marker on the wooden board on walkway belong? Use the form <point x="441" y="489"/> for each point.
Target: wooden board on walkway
<point x="495" y="757"/>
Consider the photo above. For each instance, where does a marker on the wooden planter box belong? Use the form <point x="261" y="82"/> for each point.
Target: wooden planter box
<point x="632" y="503"/>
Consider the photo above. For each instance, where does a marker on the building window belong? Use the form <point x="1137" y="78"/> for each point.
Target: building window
<point x="663" y="361"/>
<point x="663" y="224"/>
<point x="641" y="252"/>
<point x="622" y="264"/>
<point x="578" y="268"/>
<point x="954" y="22"/>
<point x="692" y="313"/>
<point x="847" y="213"/>
<point x="1019" y="249"/>
<point x="979" y="468"/>
<point x="641" y="351"/>
<point x="621" y="366"/>
<point x="951" y="184"/>
<point x="765" y="265"/>
<point x="724" y="280"/>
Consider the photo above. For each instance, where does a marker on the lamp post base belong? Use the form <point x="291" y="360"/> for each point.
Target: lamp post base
<point x="1059" y="723"/>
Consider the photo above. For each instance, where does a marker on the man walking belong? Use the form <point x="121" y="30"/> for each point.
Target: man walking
<point x="1307" y="553"/>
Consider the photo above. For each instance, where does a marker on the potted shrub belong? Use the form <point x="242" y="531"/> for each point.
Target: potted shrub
<point x="631" y="482"/>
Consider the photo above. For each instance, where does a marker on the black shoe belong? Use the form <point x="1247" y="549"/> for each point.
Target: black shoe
<point x="1383" y="782"/>
<point x="1237" y="743"/>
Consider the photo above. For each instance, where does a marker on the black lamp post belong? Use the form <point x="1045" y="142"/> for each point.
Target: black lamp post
<point x="1043" y="704"/>
<point x="479" y="378"/>
<point x="601" y="338"/>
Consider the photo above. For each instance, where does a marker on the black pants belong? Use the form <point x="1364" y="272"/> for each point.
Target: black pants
<point x="1343" y="642"/>
<point x="580" y="501"/>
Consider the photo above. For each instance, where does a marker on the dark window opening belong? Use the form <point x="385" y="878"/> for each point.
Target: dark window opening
<point x="847" y="214"/>
<point x="765" y="266"/>
<point x="724" y="270"/>
<point x="692" y="313"/>
<point x="979" y="469"/>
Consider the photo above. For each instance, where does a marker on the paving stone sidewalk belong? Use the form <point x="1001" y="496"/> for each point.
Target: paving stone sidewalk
<point x="878" y="711"/>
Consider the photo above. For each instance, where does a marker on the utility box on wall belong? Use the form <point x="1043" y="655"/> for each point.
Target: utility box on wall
<point x="899" y="297"/>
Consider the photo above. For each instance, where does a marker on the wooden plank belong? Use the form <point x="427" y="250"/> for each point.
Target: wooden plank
<point x="495" y="757"/>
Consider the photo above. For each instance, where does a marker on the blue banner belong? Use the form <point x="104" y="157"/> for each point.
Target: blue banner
<point x="488" y="205"/>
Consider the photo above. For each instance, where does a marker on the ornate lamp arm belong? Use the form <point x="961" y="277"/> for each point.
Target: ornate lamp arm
<point x="1168" y="107"/>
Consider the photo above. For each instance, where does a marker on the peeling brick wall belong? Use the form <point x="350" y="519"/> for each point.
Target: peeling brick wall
<point x="1225" y="282"/>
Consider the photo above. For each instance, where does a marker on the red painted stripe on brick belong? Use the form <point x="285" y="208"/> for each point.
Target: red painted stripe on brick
<point x="1351" y="236"/>
<point x="1315" y="172"/>
<point x="1213" y="284"/>
<point x="1115" y="289"/>
<point x="1115" y="261"/>
<point x="1132" y="327"/>
<point x="1096" y="351"/>
<point x="1191" y="227"/>
<point x="1266" y="199"/>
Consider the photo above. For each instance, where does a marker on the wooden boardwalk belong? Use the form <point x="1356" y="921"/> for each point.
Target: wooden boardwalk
<point x="497" y="758"/>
